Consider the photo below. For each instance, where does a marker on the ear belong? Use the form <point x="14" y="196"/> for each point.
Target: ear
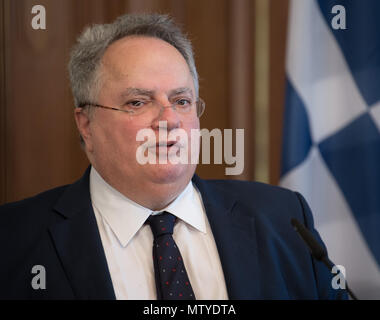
<point x="82" y="120"/>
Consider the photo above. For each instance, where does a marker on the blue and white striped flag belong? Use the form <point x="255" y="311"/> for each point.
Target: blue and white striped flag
<point x="331" y="149"/>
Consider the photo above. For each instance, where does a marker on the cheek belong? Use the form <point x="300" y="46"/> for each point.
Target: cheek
<point x="192" y="125"/>
<point x="192" y="137"/>
<point x="117" y="138"/>
<point x="124" y="140"/>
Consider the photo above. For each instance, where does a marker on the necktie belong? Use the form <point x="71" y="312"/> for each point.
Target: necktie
<point x="172" y="282"/>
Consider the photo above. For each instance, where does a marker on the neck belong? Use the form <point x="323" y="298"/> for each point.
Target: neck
<point x="151" y="195"/>
<point x="164" y="194"/>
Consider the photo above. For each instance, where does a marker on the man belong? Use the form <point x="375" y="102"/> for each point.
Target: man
<point x="93" y="239"/>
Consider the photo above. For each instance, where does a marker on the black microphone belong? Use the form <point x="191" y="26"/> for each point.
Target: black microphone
<point x="317" y="251"/>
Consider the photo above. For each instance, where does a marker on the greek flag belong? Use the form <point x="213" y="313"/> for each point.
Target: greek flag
<point x="331" y="148"/>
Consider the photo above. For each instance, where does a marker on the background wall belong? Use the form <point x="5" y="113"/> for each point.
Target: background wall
<point x="239" y="48"/>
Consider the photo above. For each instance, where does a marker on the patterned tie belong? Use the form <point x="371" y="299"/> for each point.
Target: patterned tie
<point x="172" y="282"/>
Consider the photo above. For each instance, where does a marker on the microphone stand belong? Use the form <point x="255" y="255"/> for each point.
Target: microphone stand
<point x="316" y="249"/>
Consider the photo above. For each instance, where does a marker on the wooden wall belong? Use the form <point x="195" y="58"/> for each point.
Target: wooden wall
<point x="277" y="38"/>
<point x="39" y="146"/>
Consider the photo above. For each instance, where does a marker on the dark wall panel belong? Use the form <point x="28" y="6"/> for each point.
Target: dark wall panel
<point x="278" y="33"/>
<point x="2" y="104"/>
<point x="41" y="143"/>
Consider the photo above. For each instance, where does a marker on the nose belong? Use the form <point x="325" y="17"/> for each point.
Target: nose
<point x="168" y="114"/>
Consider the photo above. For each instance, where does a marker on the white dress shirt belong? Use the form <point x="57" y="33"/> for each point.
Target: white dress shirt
<point x="128" y="242"/>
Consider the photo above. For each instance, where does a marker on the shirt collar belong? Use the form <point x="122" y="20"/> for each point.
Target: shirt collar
<point x="189" y="208"/>
<point x="125" y="217"/>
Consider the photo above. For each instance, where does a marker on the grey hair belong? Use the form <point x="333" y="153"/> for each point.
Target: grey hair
<point x="86" y="55"/>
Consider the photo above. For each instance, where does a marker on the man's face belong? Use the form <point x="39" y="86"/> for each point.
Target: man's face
<point x="135" y="68"/>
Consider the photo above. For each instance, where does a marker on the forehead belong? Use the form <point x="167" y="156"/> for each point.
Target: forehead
<point x="135" y="57"/>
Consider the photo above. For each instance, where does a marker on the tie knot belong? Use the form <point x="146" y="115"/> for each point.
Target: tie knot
<point x="161" y="224"/>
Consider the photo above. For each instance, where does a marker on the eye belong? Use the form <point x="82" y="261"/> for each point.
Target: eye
<point x="183" y="102"/>
<point x="136" y="104"/>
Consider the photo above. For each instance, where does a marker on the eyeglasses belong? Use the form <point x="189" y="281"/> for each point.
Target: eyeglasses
<point x="138" y="107"/>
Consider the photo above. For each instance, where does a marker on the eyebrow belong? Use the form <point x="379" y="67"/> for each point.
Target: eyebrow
<point x="180" y="91"/>
<point x="137" y="91"/>
<point x="150" y="93"/>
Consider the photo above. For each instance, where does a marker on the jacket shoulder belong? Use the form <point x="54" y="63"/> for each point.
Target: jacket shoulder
<point x="268" y="204"/>
<point x="242" y="184"/>
<point x="254" y="192"/>
<point x="31" y="209"/>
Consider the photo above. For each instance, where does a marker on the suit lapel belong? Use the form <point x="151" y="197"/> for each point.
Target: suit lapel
<point x="78" y="244"/>
<point x="233" y="229"/>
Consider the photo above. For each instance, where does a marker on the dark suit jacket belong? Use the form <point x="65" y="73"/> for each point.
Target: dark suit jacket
<point x="261" y="255"/>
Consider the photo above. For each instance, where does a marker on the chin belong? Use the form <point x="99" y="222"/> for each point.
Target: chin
<point x="170" y="173"/>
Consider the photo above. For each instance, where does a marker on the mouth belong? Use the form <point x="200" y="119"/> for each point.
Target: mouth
<point x="167" y="144"/>
<point x="165" y="147"/>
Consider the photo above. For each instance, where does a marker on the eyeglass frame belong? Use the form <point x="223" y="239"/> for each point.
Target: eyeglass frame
<point x="198" y="102"/>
